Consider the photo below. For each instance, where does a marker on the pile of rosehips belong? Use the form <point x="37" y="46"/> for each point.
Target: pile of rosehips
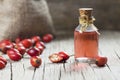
<point x="32" y="46"/>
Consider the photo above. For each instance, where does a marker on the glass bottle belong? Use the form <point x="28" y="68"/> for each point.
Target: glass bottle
<point x="86" y="36"/>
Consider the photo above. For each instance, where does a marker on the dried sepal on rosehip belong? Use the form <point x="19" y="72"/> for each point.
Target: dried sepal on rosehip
<point x="35" y="61"/>
<point x="101" y="61"/>
<point x="55" y="58"/>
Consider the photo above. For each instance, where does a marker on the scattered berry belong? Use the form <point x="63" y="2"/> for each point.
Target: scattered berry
<point x="101" y="61"/>
<point x="5" y="45"/>
<point x="35" y="39"/>
<point x="33" y="52"/>
<point x="64" y="55"/>
<point x="47" y="38"/>
<point x="35" y="61"/>
<point x="39" y="44"/>
<point x="3" y="59"/>
<point x="14" y="54"/>
<point x="27" y="43"/>
<point x="2" y="64"/>
<point x="17" y="40"/>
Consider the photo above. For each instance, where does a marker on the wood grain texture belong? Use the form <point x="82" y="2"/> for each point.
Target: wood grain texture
<point x="108" y="46"/>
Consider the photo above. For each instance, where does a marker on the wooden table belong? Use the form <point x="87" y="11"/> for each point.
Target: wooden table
<point x="109" y="46"/>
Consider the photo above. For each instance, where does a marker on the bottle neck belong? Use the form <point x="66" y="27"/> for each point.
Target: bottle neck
<point x="85" y="22"/>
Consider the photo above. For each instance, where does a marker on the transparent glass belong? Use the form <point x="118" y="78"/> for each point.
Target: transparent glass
<point x="86" y="43"/>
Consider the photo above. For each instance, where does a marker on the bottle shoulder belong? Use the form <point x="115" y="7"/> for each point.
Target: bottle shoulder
<point x="90" y="28"/>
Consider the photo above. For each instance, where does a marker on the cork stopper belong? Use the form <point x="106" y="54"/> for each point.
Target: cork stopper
<point x="86" y="12"/>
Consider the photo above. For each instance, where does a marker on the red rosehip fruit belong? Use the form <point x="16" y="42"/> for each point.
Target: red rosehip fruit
<point x="35" y="39"/>
<point x="39" y="44"/>
<point x="101" y="61"/>
<point x="35" y="61"/>
<point x="47" y="38"/>
<point x="14" y="54"/>
<point x="64" y="55"/>
<point x="5" y="45"/>
<point x="27" y="43"/>
<point x="55" y="58"/>
<point x="20" y="48"/>
<point x="3" y="59"/>
<point x="2" y="64"/>
<point x="33" y="52"/>
<point x="17" y="40"/>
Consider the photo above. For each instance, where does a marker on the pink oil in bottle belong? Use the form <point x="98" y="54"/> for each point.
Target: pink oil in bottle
<point x="86" y="44"/>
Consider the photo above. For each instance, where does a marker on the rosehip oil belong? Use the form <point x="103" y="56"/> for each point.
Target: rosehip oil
<point x="86" y="44"/>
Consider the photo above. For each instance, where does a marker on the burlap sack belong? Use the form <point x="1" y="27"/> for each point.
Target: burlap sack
<point x="24" y="18"/>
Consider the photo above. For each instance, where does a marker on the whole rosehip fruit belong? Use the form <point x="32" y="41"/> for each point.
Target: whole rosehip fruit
<point x="35" y="61"/>
<point x="3" y="59"/>
<point x="5" y="45"/>
<point x="39" y="44"/>
<point x="47" y="38"/>
<point x="55" y="58"/>
<point x="17" y="40"/>
<point x="64" y="55"/>
<point x="101" y="61"/>
<point x="33" y="52"/>
<point x="14" y="54"/>
<point x="27" y="43"/>
<point x="35" y="39"/>
<point x="20" y="48"/>
<point x="2" y="64"/>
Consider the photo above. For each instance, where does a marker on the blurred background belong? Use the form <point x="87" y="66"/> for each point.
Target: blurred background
<point x="26" y="18"/>
<point x="65" y="13"/>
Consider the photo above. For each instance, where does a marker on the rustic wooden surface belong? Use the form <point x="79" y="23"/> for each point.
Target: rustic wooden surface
<point x="109" y="46"/>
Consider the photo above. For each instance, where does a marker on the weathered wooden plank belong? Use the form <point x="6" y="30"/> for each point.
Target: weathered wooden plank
<point x="108" y="48"/>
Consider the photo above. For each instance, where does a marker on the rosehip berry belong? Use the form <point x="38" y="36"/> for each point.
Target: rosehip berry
<point x="2" y="64"/>
<point x="5" y="45"/>
<point x="64" y="55"/>
<point x="14" y="54"/>
<point x="35" y="39"/>
<point x="17" y="40"/>
<point x="3" y="59"/>
<point x="35" y="61"/>
<point x="27" y="43"/>
<point x="20" y="48"/>
<point x="47" y="38"/>
<point x="40" y="43"/>
<point x="33" y="52"/>
<point x="40" y="48"/>
<point x="55" y="58"/>
<point x="101" y="61"/>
